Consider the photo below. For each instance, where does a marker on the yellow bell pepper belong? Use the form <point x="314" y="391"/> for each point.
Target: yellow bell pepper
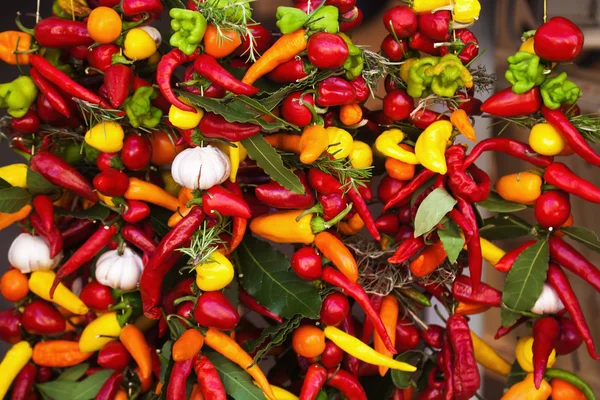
<point x="7" y="219"/>
<point x="185" y="119"/>
<point x="388" y="144"/>
<point x="40" y="283"/>
<point x="524" y="354"/>
<point x="340" y="142"/>
<point x="466" y="11"/>
<point x="139" y="45"/>
<point x="488" y="357"/>
<point x="106" y="136"/>
<point x="525" y="390"/>
<point x="214" y="274"/>
<point x="430" y="148"/>
<point x="280" y="394"/>
<point x="15" y="174"/>
<point x="420" y="6"/>
<point x="361" y="155"/>
<point x="104" y="329"/>
<point x="282" y="227"/>
<point x="313" y="142"/>
<point x="13" y="362"/>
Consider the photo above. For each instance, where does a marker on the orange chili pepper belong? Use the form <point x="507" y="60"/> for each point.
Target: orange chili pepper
<point x="58" y="354"/>
<point x="460" y="120"/>
<point x="149" y="192"/>
<point x="7" y="220"/>
<point x="179" y="215"/>
<point x="351" y="227"/>
<point x="285" y="142"/>
<point x="11" y="41"/>
<point x="134" y="341"/>
<point x="221" y="43"/>
<point x="313" y="142"/>
<point x="229" y="348"/>
<point x="283" y="50"/>
<point x="336" y="251"/>
<point x="470" y="308"/>
<point x="399" y="169"/>
<point x="429" y="259"/>
<point x="188" y="345"/>
<point x="185" y="195"/>
<point x="351" y="114"/>
<point x="389" y="317"/>
<point x="121" y="395"/>
<point x="563" y="390"/>
<point x="159" y="387"/>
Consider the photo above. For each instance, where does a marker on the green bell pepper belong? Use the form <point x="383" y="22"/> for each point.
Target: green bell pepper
<point x="324" y="18"/>
<point x="139" y="109"/>
<point x="524" y="71"/>
<point x="18" y="95"/>
<point x="418" y="82"/>
<point x="354" y="64"/>
<point x="448" y="75"/>
<point x="558" y="91"/>
<point x="290" y="19"/>
<point x="54" y="55"/>
<point x="189" y="28"/>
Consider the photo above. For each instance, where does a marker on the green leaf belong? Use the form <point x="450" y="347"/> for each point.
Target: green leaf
<point x="401" y="379"/>
<point x="267" y="277"/>
<point x="95" y="213"/>
<point x="37" y="184"/>
<point x="232" y="292"/>
<point x="496" y="203"/>
<point x="74" y="373"/>
<point x="508" y="317"/>
<point x="584" y="236"/>
<point x="236" y="381"/>
<point x="452" y="241"/>
<point x="58" y="390"/>
<point x="526" y="278"/>
<point x="276" y="334"/>
<point x="504" y="227"/>
<point x="159" y="218"/>
<point x="90" y="386"/>
<point x="270" y="161"/>
<point x="4" y="184"/>
<point x="431" y="211"/>
<point x="12" y="199"/>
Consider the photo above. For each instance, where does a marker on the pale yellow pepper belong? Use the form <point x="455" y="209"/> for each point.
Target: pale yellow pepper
<point x="13" y="362"/>
<point x="524" y="354"/>
<point x="107" y="136"/>
<point x="340" y="142"/>
<point x="40" y="283"/>
<point x="361" y="155"/>
<point x="15" y="174"/>
<point x="430" y="148"/>
<point x="488" y="357"/>
<point x="104" y="329"/>
<point x="388" y="144"/>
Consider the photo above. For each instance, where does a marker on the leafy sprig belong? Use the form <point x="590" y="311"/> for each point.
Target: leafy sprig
<point x="377" y="67"/>
<point x="204" y="243"/>
<point x="94" y="114"/>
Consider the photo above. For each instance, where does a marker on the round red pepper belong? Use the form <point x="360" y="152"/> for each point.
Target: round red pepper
<point x="114" y="356"/>
<point x="398" y="105"/>
<point x="334" y="309"/>
<point x="558" y="40"/>
<point x="570" y="339"/>
<point x="552" y="208"/>
<point x="335" y="91"/>
<point x="332" y="355"/>
<point x="351" y="19"/>
<point x="401" y="21"/>
<point x="307" y="264"/>
<point x="327" y="51"/>
<point x="214" y="310"/>
<point x="136" y="152"/>
<point x="395" y="50"/>
<point x="343" y="5"/>
<point x="291" y="71"/>
<point x="97" y="296"/>
<point x="465" y="46"/>
<point x="407" y="335"/>
<point x="436" y="25"/>
<point x="10" y="326"/>
<point x="263" y="39"/>
<point x="294" y="112"/>
<point x="28" y="123"/>
<point x="111" y="182"/>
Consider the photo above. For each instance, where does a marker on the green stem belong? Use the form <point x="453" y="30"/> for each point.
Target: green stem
<point x="22" y="27"/>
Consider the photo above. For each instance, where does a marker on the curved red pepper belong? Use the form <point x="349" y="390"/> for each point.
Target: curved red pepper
<point x="52" y="236"/>
<point x="511" y="147"/>
<point x="54" y="97"/>
<point x="503" y="331"/>
<point x="419" y="180"/>
<point x="253" y="305"/>
<point x="208" y="67"/>
<point x="118" y="81"/>
<point x="137" y="237"/>
<point x="208" y="379"/>
<point x="546" y="331"/>
<point x="167" y="65"/>
<point x="444" y="359"/>
<point x="136" y="211"/>
<point x="407" y="249"/>
<point x="239" y="225"/>
<point x="474" y="188"/>
<point x="487" y="295"/>
<point x="505" y="103"/>
<point x="559" y="175"/>
<point x="220" y="200"/>
<point x="132" y="8"/>
<point x="347" y="384"/>
<point x="62" y="33"/>
<point x="275" y="195"/>
<point x="176" y="386"/>
<point x="217" y="127"/>
<point x="368" y="327"/>
<point x="23" y="384"/>
<point x="568" y="257"/>
<point x="315" y="379"/>
<point x="111" y="386"/>
<point x="466" y="379"/>
<point x="506" y="262"/>
<point x="467" y="221"/>
<point x="45" y="209"/>
<point x="79" y="231"/>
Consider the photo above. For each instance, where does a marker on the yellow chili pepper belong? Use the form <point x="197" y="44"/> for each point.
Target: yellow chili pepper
<point x="460" y="120"/>
<point x="40" y="283"/>
<point x="285" y="142"/>
<point x="525" y="390"/>
<point x="351" y="114"/>
<point x="280" y="394"/>
<point x="524" y="354"/>
<point x="430" y="148"/>
<point x="340" y="142"/>
<point x="185" y="119"/>
<point x="282" y="227"/>
<point x="488" y="357"/>
<point x="420" y="6"/>
<point x="405" y="68"/>
<point x="104" y="329"/>
<point x="313" y="142"/>
<point x="355" y="347"/>
<point x="388" y="144"/>
<point x="389" y="316"/>
<point x="361" y="155"/>
<point x="7" y="220"/>
<point x="527" y="46"/>
<point x="15" y="174"/>
<point x="490" y="252"/>
<point x="234" y="158"/>
<point x="106" y="199"/>
<point x="13" y="362"/>
<point x="106" y="136"/>
<point x="150" y="193"/>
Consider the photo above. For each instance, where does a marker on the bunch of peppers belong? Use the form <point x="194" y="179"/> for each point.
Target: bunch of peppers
<point x="150" y="201"/>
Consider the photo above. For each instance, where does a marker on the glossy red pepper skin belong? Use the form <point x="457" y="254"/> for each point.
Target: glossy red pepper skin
<point x="296" y="113"/>
<point x="368" y="327"/>
<point x="208" y="379"/>
<point x="485" y="295"/>
<point x="570" y="339"/>
<point x="407" y="249"/>
<point x="22" y="387"/>
<point x="41" y="318"/>
<point x="420" y="42"/>
<point x="101" y="56"/>
<point x="209" y="68"/>
<point x="351" y="19"/>
<point x="398" y="105"/>
<point x="29" y="123"/>
<point x="59" y="172"/>
<point x="558" y="40"/>
<point x="217" y="127"/>
<point x="444" y="360"/>
<point x="176" y="386"/>
<point x="568" y="257"/>
<point x="214" y="310"/>
<point x="347" y="384"/>
<point x="505" y="103"/>
<point x="327" y="50"/>
<point x="62" y="33"/>
<point x="503" y="331"/>
<point x="111" y="386"/>
<point x="561" y="176"/>
<point x="466" y="379"/>
<point x="560" y="283"/>
<point x="240" y="224"/>
<point x="469" y="104"/>
<point x="433" y="336"/>
<point x="79" y="231"/>
<point x="335" y="91"/>
<point x="388" y="224"/>
<point x="47" y="113"/>
<point x="166" y="66"/>
<point x="401" y="21"/>
<point x="315" y="379"/>
<point x="436" y="25"/>
<point x="511" y="147"/>
<point x="45" y="209"/>
<point x="136" y="152"/>
<point x="52" y="236"/>
<point x="307" y="264"/>
<point x="407" y="335"/>
<point x="208" y="90"/>
<point x="220" y="200"/>
<point x="136" y="211"/>
<point x="546" y="332"/>
<point x="275" y="195"/>
<point x="473" y="187"/>
<point x="97" y="296"/>
<point x="506" y="262"/>
<point x="291" y="71"/>
<point x="424" y="117"/>
<point x="332" y="204"/>
<point x="388" y="188"/>
<point x="139" y="239"/>
<point x="52" y="94"/>
<point x="472" y="239"/>
<point x="113" y="356"/>
<point x="251" y="303"/>
<point x="419" y="180"/>
<point x="465" y="47"/>
<point x="334" y="309"/>
<point x="552" y="209"/>
<point x="263" y="40"/>
<point x="343" y="5"/>
<point x="118" y="81"/>
<point x="10" y="326"/>
<point x="363" y="92"/>
<point x="132" y="8"/>
<point x="111" y="182"/>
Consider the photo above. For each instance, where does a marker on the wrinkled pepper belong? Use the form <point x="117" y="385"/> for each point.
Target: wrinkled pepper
<point x="524" y="71"/>
<point x="388" y="144"/>
<point x="431" y="146"/>
<point x="448" y="75"/>
<point x="18" y="95"/>
<point x="290" y="19"/>
<point x="418" y="81"/>
<point x="13" y="42"/>
<point x="558" y="91"/>
<point x="140" y="110"/>
<point x="188" y="28"/>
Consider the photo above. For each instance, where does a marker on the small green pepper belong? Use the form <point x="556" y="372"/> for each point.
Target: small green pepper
<point x="524" y="71"/>
<point x="324" y="18"/>
<point x="290" y="19"/>
<point x="418" y="82"/>
<point x="139" y="109"/>
<point x="189" y="28"/>
<point x="558" y="91"/>
<point x="354" y="64"/>
<point x="18" y="95"/>
<point x="448" y="75"/>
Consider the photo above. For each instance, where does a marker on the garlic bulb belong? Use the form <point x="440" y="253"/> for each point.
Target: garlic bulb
<point x="200" y="168"/>
<point x="548" y="302"/>
<point x="30" y="253"/>
<point x="119" y="271"/>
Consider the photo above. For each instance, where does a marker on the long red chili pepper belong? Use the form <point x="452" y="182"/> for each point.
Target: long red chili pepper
<point x="61" y="173"/>
<point x="139" y="239"/>
<point x="86" y="252"/>
<point x="503" y="331"/>
<point x="164" y="258"/>
<point x="64" y="82"/>
<point x="45" y="209"/>
<point x="77" y="232"/>
<point x="466" y="379"/>
<point x="511" y="147"/>
<point x="407" y="249"/>
<point x="473" y="243"/>
<point x="363" y="211"/>
<point x="111" y="386"/>
<point x="347" y="384"/>
<point x="560" y="283"/>
<point x="167" y="65"/>
<point x="445" y="362"/>
<point x="176" y="387"/>
<point x="253" y="305"/>
<point x="546" y="332"/>
<point x="409" y="189"/>
<point x="561" y="176"/>
<point x="62" y="33"/>
<point x="238" y="229"/>
<point x="220" y="200"/>
<point x="216" y="126"/>
<point x="23" y="384"/>
<point x="568" y="257"/>
<point x="368" y="327"/>
<point x="209" y="380"/>
<point x="506" y="262"/>
<point x="54" y="97"/>
<point x="580" y="146"/>
<point x="52" y="236"/>
<point x="474" y="188"/>
<point x="487" y="295"/>
<point x="208" y="67"/>
<point x="351" y="363"/>
<point x="315" y="379"/>
<point x="336" y="278"/>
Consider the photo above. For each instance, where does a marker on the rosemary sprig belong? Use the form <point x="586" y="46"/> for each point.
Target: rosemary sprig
<point x="93" y="114"/>
<point x="204" y="243"/>
<point x="482" y="80"/>
<point x="377" y="67"/>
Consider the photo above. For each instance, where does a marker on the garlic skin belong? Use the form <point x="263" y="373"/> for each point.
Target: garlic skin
<point x="30" y="253"/>
<point x="548" y="302"/>
<point x="119" y="271"/>
<point x="200" y="168"/>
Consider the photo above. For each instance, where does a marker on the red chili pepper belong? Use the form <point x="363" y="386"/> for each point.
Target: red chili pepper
<point x="445" y="359"/>
<point x="351" y="363"/>
<point x="114" y="356"/>
<point x="347" y="384"/>
<point x="419" y="180"/>
<point x="335" y="91"/>
<point x="63" y="81"/>
<point x="79" y="231"/>
<point x="487" y="295"/>
<point x="206" y="90"/>
<point x="433" y="336"/>
<point x="363" y="211"/>
<point x="28" y="123"/>
<point x="101" y="56"/>
<point x="569" y="339"/>
<point x="164" y="259"/>
<point x="118" y="81"/>
<point x="466" y="380"/>
<point x="213" y="309"/>
<point x="275" y="195"/>
<point x="253" y="305"/>
<point x="407" y="335"/>
<point x="208" y="67"/>
<point x="331" y="205"/>
<point x="558" y="40"/>
<point x="503" y="331"/>
<point x="291" y="71"/>
<point x="465" y="46"/>
<point x="546" y="331"/>
<point x="220" y="200"/>
<point x="351" y="19"/>
<point x="561" y="176"/>
<point x="420" y="42"/>
<point x="315" y="379"/>
<point x="137" y="237"/>
<point x="568" y="257"/>
<point x="45" y="209"/>
<point x="132" y="8"/>
<point x="560" y="283"/>
<point x="505" y="103"/>
<point x="85" y="253"/>
<point x="336" y="278"/>
<point x="472" y="238"/>
<point x="59" y="172"/>
<point x="474" y="187"/>
<point x="208" y="379"/>
<point x="111" y="182"/>
<point x="362" y="89"/>
<point x="511" y="147"/>
<point x="61" y="33"/>
<point x="136" y="211"/>
<point x="368" y="327"/>
<point x="52" y="236"/>
<point x="239" y="225"/>
<point x="388" y="224"/>
<point x="407" y="249"/>
<point x="111" y="386"/>
<point x="167" y="65"/>
<point x="176" y="386"/>
<point x="53" y="96"/>
<point x="23" y="385"/>
<point x="506" y="262"/>
<point x="436" y="26"/>
<point x="217" y="127"/>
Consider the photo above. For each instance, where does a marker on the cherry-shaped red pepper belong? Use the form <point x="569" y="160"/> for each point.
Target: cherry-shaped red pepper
<point x="10" y="326"/>
<point x="114" y="356"/>
<point x="552" y="209"/>
<point x="97" y="296"/>
<point x="395" y="50"/>
<point x="214" y="310"/>
<point x="42" y="318"/>
<point x="334" y="309"/>
<point x="307" y="264"/>
<point x="327" y="51"/>
<point x="398" y="105"/>
<point x="401" y="21"/>
<point x="111" y="182"/>
<point x="436" y="25"/>
<point x="136" y="152"/>
<point x="297" y="111"/>
<point x="558" y="40"/>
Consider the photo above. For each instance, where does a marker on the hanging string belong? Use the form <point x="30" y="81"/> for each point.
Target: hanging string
<point x="545" y="10"/>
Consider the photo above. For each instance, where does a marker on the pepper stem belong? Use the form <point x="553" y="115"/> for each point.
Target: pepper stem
<point x="318" y="223"/>
<point x="21" y="26"/>
<point x="123" y="318"/>
<point x="316" y="209"/>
